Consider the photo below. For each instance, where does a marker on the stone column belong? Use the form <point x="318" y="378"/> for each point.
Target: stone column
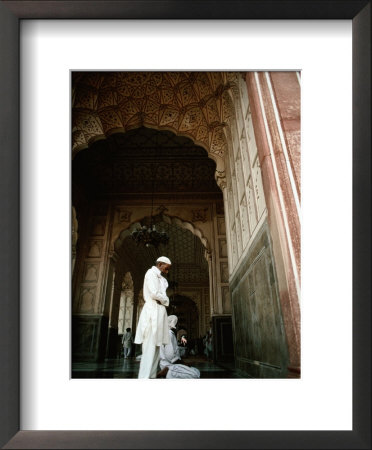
<point x="274" y="100"/>
<point x="128" y="309"/>
<point x="111" y="307"/>
<point x="212" y="284"/>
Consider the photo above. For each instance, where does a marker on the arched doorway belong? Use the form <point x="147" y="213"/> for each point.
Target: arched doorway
<point x="119" y="174"/>
<point x="189" y="278"/>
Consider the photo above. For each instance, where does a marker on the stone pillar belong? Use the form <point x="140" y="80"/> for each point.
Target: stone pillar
<point x="274" y="99"/>
<point x="111" y="307"/>
<point x="212" y="283"/>
<point x="74" y="238"/>
<point x="128" y="309"/>
<point x="136" y="308"/>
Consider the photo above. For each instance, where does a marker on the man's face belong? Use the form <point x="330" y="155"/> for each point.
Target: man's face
<point x="164" y="268"/>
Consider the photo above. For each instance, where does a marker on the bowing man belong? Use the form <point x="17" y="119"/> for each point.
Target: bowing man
<point x="171" y="364"/>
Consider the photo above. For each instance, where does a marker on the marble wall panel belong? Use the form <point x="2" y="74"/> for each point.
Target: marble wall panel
<point x="252" y="147"/>
<point x="95" y="248"/>
<point x="87" y="299"/>
<point x="88" y="338"/>
<point x="224" y="272"/>
<point x="260" y="343"/>
<point x="251" y="206"/>
<point x="221" y="225"/>
<point x="258" y="188"/>
<point x="245" y="160"/>
<point x="222" y="248"/>
<point x="226" y="300"/>
<point x="244" y="222"/>
<point x="238" y="234"/>
<point x="91" y="272"/>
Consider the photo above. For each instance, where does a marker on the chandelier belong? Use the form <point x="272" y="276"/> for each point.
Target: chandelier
<point x="150" y="236"/>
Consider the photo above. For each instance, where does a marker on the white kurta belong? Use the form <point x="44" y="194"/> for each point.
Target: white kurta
<point x="153" y="314"/>
<point x="169" y="354"/>
<point x="152" y="327"/>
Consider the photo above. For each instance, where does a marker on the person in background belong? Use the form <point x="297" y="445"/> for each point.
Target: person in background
<point x="152" y="328"/>
<point x="208" y="342"/>
<point x="127" y="342"/>
<point x="171" y="363"/>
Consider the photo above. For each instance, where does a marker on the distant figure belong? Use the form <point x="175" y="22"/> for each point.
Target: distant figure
<point x="152" y="328"/>
<point x="171" y="363"/>
<point x="208" y="343"/>
<point x="127" y="342"/>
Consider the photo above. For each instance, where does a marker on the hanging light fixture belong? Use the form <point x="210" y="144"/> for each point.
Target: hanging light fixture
<point x="150" y="236"/>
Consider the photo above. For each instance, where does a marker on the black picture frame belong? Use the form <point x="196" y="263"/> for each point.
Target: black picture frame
<point x="11" y="12"/>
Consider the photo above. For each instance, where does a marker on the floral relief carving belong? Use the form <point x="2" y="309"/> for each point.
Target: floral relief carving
<point x="186" y="102"/>
<point x="199" y="215"/>
<point x="124" y="215"/>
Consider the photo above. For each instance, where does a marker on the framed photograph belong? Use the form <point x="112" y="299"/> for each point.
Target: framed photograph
<point x="44" y="43"/>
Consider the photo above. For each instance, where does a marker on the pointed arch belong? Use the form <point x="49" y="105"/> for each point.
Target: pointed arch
<point x="173" y="220"/>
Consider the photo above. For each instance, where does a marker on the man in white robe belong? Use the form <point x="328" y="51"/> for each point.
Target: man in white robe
<point x="170" y="360"/>
<point x="152" y="327"/>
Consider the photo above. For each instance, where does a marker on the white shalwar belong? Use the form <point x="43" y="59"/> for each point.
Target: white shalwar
<point x="169" y="354"/>
<point x="152" y="327"/>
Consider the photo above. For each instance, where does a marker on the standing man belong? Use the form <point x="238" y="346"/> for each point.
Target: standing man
<point x="152" y="328"/>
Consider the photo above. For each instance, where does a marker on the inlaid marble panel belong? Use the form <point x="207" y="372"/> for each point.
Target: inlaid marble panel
<point x="95" y="249"/>
<point x="91" y="272"/>
<point x="245" y="160"/>
<point x="224" y="272"/>
<point x="87" y="299"/>
<point x="222" y="246"/>
<point x="252" y="148"/>
<point x="244" y="222"/>
<point x="258" y="188"/>
<point x="251" y="206"/>
<point x="221" y="225"/>
<point x="226" y="301"/>
<point x="260" y="343"/>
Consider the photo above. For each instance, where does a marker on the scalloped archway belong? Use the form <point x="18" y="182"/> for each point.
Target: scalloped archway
<point x="197" y="105"/>
<point x="168" y="219"/>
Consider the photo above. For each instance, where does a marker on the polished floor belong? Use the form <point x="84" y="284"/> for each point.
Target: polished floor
<point x="128" y="368"/>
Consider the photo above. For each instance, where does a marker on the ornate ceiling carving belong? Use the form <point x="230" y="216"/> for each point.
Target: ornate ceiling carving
<point x="192" y="104"/>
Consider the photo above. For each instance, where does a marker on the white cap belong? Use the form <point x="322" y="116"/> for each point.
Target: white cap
<point x="172" y="321"/>
<point x="164" y="259"/>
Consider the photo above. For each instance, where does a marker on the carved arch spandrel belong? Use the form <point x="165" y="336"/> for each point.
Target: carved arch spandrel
<point x="189" y="104"/>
